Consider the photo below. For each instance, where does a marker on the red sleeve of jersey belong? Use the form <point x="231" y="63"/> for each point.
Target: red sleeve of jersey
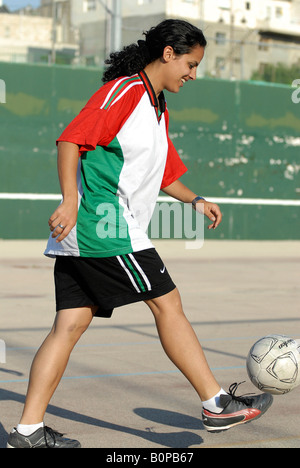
<point x="97" y="124"/>
<point x="87" y="130"/>
<point x="174" y="166"/>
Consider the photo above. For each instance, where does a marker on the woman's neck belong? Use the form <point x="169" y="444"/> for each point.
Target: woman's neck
<point x="153" y="71"/>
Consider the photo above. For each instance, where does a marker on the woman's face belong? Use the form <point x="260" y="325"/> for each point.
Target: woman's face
<point x="181" y="68"/>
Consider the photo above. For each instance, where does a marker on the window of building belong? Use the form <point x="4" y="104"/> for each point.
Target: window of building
<point x="224" y="4"/>
<point x="248" y="6"/>
<point x="89" y="5"/>
<point x="262" y="67"/>
<point x="263" y="44"/>
<point x="19" y="58"/>
<point x="220" y="63"/>
<point x="220" y="38"/>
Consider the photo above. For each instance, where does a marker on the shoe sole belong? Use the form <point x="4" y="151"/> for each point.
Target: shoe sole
<point x="11" y="447"/>
<point x="216" y="430"/>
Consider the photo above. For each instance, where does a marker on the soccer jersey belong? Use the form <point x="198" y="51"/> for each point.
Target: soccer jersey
<point x="126" y="157"/>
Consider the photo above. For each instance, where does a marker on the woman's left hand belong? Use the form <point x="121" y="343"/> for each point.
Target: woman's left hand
<point x="212" y="211"/>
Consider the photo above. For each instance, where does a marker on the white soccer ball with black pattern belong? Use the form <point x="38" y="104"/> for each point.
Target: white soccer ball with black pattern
<point x="273" y="364"/>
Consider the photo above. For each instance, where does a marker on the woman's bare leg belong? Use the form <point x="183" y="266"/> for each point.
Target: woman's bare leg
<point x="51" y="361"/>
<point x="181" y="344"/>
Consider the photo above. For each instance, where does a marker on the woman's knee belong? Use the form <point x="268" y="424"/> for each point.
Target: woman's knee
<point x="168" y="303"/>
<point x="72" y="323"/>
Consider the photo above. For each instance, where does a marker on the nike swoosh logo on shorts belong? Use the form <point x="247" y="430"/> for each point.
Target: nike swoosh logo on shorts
<point x="163" y="269"/>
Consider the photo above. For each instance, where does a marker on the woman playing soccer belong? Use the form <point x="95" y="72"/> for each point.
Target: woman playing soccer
<point x="113" y="159"/>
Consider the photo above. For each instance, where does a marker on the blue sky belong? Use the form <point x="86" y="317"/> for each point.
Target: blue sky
<point x="16" y="4"/>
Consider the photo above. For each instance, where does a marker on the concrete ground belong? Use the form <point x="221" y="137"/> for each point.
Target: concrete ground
<point x="120" y="391"/>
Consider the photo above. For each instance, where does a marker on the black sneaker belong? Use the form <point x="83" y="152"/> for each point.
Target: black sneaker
<point x="45" y="437"/>
<point x="237" y="410"/>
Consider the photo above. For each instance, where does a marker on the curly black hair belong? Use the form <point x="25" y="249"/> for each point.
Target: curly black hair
<point x="179" y="34"/>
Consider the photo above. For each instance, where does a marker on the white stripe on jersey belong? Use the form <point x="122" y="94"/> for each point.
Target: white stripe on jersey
<point x="125" y="91"/>
<point x="112" y="91"/>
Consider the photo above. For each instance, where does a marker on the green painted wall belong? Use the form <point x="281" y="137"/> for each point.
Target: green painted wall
<point x="238" y="139"/>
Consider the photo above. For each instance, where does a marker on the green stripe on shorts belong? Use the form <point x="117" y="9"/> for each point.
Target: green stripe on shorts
<point x="135" y="272"/>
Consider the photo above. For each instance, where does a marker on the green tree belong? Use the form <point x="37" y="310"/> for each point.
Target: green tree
<point x="278" y="73"/>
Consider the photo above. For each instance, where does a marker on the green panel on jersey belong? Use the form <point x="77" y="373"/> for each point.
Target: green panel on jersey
<point x="101" y="228"/>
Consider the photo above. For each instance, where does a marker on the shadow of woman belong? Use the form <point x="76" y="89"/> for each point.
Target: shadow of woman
<point x="178" y="439"/>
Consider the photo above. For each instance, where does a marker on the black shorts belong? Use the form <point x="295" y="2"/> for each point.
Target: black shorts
<point x="110" y="282"/>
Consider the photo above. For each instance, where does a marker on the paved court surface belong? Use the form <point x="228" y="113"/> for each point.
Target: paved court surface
<point x="120" y="390"/>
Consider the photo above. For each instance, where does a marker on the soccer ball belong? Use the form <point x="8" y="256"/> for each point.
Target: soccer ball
<point x="273" y="364"/>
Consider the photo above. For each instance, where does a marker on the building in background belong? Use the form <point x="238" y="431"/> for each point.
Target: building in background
<point x="244" y="36"/>
<point x="32" y="35"/>
<point x="248" y="35"/>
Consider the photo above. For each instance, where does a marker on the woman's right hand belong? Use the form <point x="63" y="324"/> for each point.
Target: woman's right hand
<point x="64" y="218"/>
